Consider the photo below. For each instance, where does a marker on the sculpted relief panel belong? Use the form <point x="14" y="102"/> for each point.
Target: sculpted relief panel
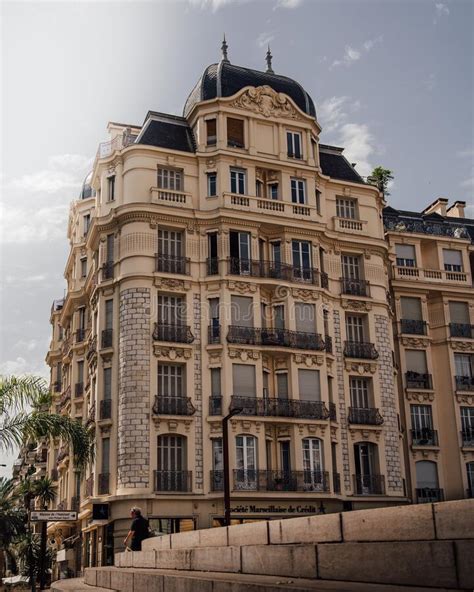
<point x="265" y="101"/>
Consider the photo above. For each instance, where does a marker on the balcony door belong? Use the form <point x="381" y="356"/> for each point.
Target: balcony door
<point x="470" y="478"/>
<point x="240" y="253"/>
<point x="172" y="463"/>
<point x="355" y="328"/>
<point x="365" y="457"/>
<point x="360" y="393"/>
<point x="302" y="266"/>
<point x="464" y="365"/>
<point x="351" y="267"/>
<point x="170" y="310"/>
<point x="313" y="464"/>
<point x="467" y="423"/>
<point x="421" y="418"/>
<point x="217" y="480"/>
<point x="246" y="462"/>
<point x="171" y="389"/>
<point x="427" y="482"/>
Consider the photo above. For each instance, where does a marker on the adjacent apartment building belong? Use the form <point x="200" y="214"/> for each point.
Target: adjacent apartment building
<point x="227" y="259"/>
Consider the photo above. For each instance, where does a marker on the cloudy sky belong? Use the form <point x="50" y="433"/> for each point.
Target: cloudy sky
<point x="392" y="82"/>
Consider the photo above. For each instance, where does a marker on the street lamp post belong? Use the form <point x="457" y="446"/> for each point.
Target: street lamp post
<point x="225" y="452"/>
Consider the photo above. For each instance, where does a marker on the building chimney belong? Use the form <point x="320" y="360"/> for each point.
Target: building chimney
<point x="456" y="210"/>
<point x="438" y="207"/>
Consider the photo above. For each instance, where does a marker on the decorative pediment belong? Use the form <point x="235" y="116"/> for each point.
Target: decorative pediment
<point x="356" y="305"/>
<point x="171" y="284"/>
<point x="361" y="368"/>
<point x="420" y="397"/>
<point x="415" y="342"/>
<point x="308" y="359"/>
<point x="267" y="102"/>
<point x="242" y="287"/>
<point x="172" y="353"/>
<point x="465" y="398"/>
<point x="243" y="354"/>
<point x="305" y="295"/>
<point x="462" y="345"/>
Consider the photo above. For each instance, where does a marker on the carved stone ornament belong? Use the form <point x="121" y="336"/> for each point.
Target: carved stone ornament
<point x="242" y="287"/>
<point x="171" y="353"/>
<point x="365" y="433"/>
<point x="362" y="368"/>
<point x="305" y="295"/>
<point x="244" y="354"/>
<point x="215" y="357"/>
<point x="419" y="454"/>
<point x="308" y="359"/>
<point x="462" y="345"/>
<point x="265" y="101"/>
<point x="420" y="397"/>
<point x="465" y="398"/>
<point x="171" y="284"/>
<point x="356" y="305"/>
<point x="415" y="342"/>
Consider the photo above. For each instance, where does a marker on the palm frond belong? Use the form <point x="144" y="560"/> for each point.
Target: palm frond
<point x="17" y="393"/>
<point x="12" y="430"/>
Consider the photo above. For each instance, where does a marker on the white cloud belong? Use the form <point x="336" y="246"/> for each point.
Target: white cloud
<point x="440" y="11"/>
<point x="358" y="145"/>
<point x="466" y="153"/>
<point x="468" y="182"/>
<point x="213" y="4"/>
<point x="331" y="114"/>
<point x="23" y="225"/>
<point x="430" y="82"/>
<point x="264" y="39"/>
<point x="352" y="54"/>
<point x="289" y="3"/>
<point x="19" y="366"/>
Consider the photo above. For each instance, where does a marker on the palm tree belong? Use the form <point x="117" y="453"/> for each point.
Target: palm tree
<point x="24" y="416"/>
<point x="12" y="519"/>
<point x="381" y="178"/>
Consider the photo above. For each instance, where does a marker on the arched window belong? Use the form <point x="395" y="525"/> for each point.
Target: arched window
<point x="172" y="473"/>
<point x="314" y="477"/>
<point x="246" y="474"/>
<point x="470" y="478"/>
<point x="427" y="485"/>
<point x="367" y="480"/>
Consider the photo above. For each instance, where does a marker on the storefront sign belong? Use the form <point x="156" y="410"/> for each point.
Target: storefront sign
<point x="53" y="516"/>
<point x="274" y="509"/>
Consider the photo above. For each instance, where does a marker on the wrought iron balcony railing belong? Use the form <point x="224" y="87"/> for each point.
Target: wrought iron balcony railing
<point x="427" y="495"/>
<point x="261" y="480"/>
<point x="418" y="380"/>
<point x="355" y="287"/>
<point x="467" y="437"/>
<point x="172" y="264"/>
<point x="332" y="412"/>
<point x="336" y="482"/>
<point x="108" y="270"/>
<point x="106" y="338"/>
<point x="214" y="334"/>
<point x="173" y="332"/>
<point x="78" y="389"/>
<point x="461" y="330"/>
<point x="424" y="437"/>
<point x="217" y="480"/>
<point x="369" y="484"/>
<point x="173" y="406"/>
<point x="57" y="386"/>
<point x="215" y="405"/>
<point x="413" y="327"/>
<point x="212" y="266"/>
<point x="104" y="483"/>
<point x="79" y="336"/>
<point x="365" y="416"/>
<point x="276" y="270"/>
<point x="173" y="481"/>
<point x="464" y="383"/>
<point x="105" y="409"/>
<point x="276" y="407"/>
<point x="360" y="349"/>
<point x="276" y="338"/>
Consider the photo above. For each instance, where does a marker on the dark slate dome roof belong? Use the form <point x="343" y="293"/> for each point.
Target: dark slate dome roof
<point x="225" y="79"/>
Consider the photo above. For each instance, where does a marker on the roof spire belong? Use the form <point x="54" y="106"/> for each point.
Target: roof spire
<point x="269" y="61"/>
<point x="224" y="47"/>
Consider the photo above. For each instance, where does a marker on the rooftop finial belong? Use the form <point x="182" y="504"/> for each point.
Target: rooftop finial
<point x="224" y="47"/>
<point x="269" y="61"/>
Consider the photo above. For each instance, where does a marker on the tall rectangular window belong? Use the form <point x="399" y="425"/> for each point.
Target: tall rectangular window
<point x="405" y="255"/>
<point x="273" y="190"/>
<point x="411" y="308"/>
<point x="109" y="314"/>
<point x="107" y="383"/>
<point x="459" y="313"/>
<point x="293" y="141"/>
<point x="360" y="392"/>
<point x="171" y="310"/>
<point x="242" y="311"/>
<point x="217" y="455"/>
<point x="282" y="385"/>
<point x="355" y="328"/>
<point x="211" y="132"/>
<point x="416" y="361"/>
<point x="464" y="364"/>
<point x="83" y="267"/>
<point x="216" y="390"/>
<point x="109" y="247"/>
<point x="237" y="181"/>
<point x="170" y="179"/>
<point x="467" y="421"/>
<point x="214" y="321"/>
<point x="298" y="191"/>
<point x="243" y="377"/>
<point x="171" y="381"/>
<point x="80" y="372"/>
<point x="170" y="243"/>
<point x="86" y="222"/>
<point x="106" y="455"/>
<point x="111" y="188"/>
<point x="305" y="317"/>
<point x="351" y="267"/>
<point x="308" y="383"/>
<point x="421" y="417"/>
<point x="452" y="260"/>
<point x="279" y="316"/>
<point x="235" y="133"/>
<point x="211" y="184"/>
<point x="301" y="251"/>
<point x="346" y="208"/>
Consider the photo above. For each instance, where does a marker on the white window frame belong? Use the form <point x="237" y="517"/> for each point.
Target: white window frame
<point x="294" y="141"/>
<point x="238" y="181"/>
<point x="298" y="191"/>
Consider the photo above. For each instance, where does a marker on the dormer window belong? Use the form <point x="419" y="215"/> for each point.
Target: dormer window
<point x="235" y="133"/>
<point x="211" y="132"/>
<point x="293" y="140"/>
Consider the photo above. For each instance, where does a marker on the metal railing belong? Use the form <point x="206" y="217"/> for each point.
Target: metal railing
<point x="276" y="270"/>
<point x="426" y="495"/>
<point x="213" y="334"/>
<point x="276" y="338"/>
<point x="467" y="437"/>
<point x="172" y="264"/>
<point x="262" y="480"/>
<point x="418" y="380"/>
<point x="464" y="383"/>
<point x="360" y="349"/>
<point x="332" y="412"/>
<point x="212" y="264"/>
<point x="103" y="483"/>
<point x="355" y="287"/>
<point x="215" y="405"/>
<point x="365" y="416"/>
<point x="173" y="332"/>
<point x="105" y="409"/>
<point x="336" y="482"/>
<point x="173" y="406"/>
<point x="413" y="327"/>
<point x="75" y="503"/>
<point x="424" y="437"/>
<point x="369" y="484"/>
<point x="276" y="407"/>
<point x="79" y="335"/>
<point x="106" y="338"/>
<point x="57" y="386"/>
<point x="174" y="481"/>
<point x="217" y="480"/>
<point x="78" y="389"/>
<point x="461" y="330"/>
<point x="108" y="270"/>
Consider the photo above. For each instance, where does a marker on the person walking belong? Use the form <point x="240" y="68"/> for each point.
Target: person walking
<point x="139" y="530"/>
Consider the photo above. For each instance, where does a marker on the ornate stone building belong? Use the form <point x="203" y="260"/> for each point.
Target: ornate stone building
<point x="225" y="259"/>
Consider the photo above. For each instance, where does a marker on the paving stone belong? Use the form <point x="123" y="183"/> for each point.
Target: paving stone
<point x="280" y="560"/>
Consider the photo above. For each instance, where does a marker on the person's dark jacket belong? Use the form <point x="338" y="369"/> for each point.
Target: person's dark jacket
<point x="140" y="530"/>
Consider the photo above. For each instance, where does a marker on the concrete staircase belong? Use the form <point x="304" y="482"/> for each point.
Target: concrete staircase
<point x="429" y="546"/>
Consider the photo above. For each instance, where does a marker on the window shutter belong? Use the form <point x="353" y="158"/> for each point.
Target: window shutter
<point x="305" y="317"/>
<point x="244" y="380"/>
<point x="235" y="131"/>
<point x="216" y="382"/>
<point x="405" y="251"/>
<point x="282" y="385"/>
<point x="459" y="313"/>
<point x="308" y="381"/>
<point x="452" y="257"/>
<point x="416" y="361"/>
<point x="106" y="455"/>
<point x="211" y="131"/>
<point x="242" y="311"/>
<point x="411" y="309"/>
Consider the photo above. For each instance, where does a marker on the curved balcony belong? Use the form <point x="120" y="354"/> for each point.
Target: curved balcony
<point x="417" y="380"/>
<point x="173" y="333"/>
<point x="275" y="407"/>
<point x="172" y="264"/>
<point x="172" y="481"/>
<point x="424" y="437"/>
<point x="355" y="287"/>
<point x="173" y="406"/>
<point x="360" y="349"/>
<point x="365" y="416"/>
<point x="464" y="383"/>
<point x="105" y="409"/>
<point x="276" y="270"/>
<point x="276" y="338"/>
<point x="303" y="481"/>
